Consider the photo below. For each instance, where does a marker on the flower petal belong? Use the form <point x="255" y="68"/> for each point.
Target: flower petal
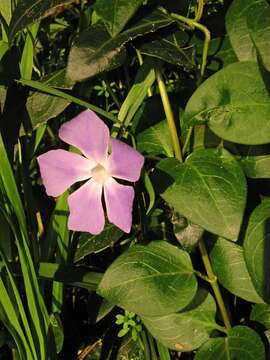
<point x="124" y="162"/>
<point x="119" y="200"/>
<point x="88" y="133"/>
<point x="60" y="169"/>
<point x="86" y="211"/>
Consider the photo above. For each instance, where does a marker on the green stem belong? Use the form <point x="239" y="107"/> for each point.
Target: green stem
<point x="169" y="116"/>
<point x="214" y="284"/>
<point x="199" y="11"/>
<point x="207" y="36"/>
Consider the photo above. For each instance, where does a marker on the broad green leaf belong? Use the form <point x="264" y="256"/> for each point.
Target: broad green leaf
<point x="89" y="244"/>
<point x="227" y="102"/>
<point x="116" y="13"/>
<point x="210" y="190"/>
<point x="96" y="51"/>
<point x="155" y="140"/>
<point x="188" y="329"/>
<point x="229" y="265"/>
<point x="29" y="11"/>
<point x="261" y="314"/>
<point x="257" y="167"/>
<point x="256" y="248"/>
<point x="241" y="343"/>
<point x="145" y="78"/>
<point x="247" y="23"/>
<point x="152" y="280"/>
<point x="171" y="48"/>
<point x="258" y="20"/>
<point x="238" y="31"/>
<point x="42" y="107"/>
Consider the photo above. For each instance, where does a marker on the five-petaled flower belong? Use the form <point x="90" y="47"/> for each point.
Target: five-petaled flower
<point x="103" y="159"/>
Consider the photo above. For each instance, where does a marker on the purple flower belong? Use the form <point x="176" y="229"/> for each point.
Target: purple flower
<point x="104" y="160"/>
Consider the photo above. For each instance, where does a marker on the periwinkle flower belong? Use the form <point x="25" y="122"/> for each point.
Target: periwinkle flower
<point x="103" y="160"/>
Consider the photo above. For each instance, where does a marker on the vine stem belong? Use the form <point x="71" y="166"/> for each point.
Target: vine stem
<point x="207" y="36"/>
<point x="212" y="279"/>
<point x="169" y="116"/>
<point x="214" y="284"/>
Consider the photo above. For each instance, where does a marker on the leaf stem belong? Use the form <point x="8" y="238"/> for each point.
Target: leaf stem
<point x="169" y="116"/>
<point x="214" y="284"/>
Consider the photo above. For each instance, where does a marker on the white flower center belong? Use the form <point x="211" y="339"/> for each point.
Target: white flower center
<point x="100" y="174"/>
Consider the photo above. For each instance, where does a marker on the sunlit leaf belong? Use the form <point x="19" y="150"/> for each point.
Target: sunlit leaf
<point x="151" y="280"/>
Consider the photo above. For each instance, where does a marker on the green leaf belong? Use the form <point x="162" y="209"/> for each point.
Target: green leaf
<point x="42" y="107"/>
<point x="261" y="314"/>
<point x="229" y="265"/>
<point x="89" y="244"/>
<point x="171" y="48"/>
<point x="96" y="51"/>
<point x="61" y="94"/>
<point x="145" y="78"/>
<point x="256" y="248"/>
<point x="210" y="190"/>
<point x="151" y="280"/>
<point x="156" y="140"/>
<point x="258" y="20"/>
<point x="237" y="28"/>
<point x="72" y="275"/>
<point x="57" y="328"/>
<point x="116" y="13"/>
<point x="3" y="48"/>
<point x="227" y="102"/>
<point x="257" y="167"/>
<point x="241" y="343"/>
<point x="6" y="10"/>
<point x="247" y="24"/>
<point x="188" y="329"/>
<point x="29" y="11"/>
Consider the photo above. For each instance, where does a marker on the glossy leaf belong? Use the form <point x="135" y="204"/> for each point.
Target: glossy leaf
<point x="241" y="343"/>
<point x="89" y="244"/>
<point x="171" y="48"/>
<point x="210" y="190"/>
<point x="229" y="265"/>
<point x="257" y="167"/>
<point x="116" y="13"/>
<point x="151" y="280"/>
<point x="258" y="24"/>
<point x="96" y="51"/>
<point x="261" y="314"/>
<point x="227" y="102"/>
<point x="247" y="24"/>
<point x="28" y="11"/>
<point x="237" y="28"/>
<point x="156" y="140"/>
<point x="256" y="248"/>
<point x="188" y="329"/>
